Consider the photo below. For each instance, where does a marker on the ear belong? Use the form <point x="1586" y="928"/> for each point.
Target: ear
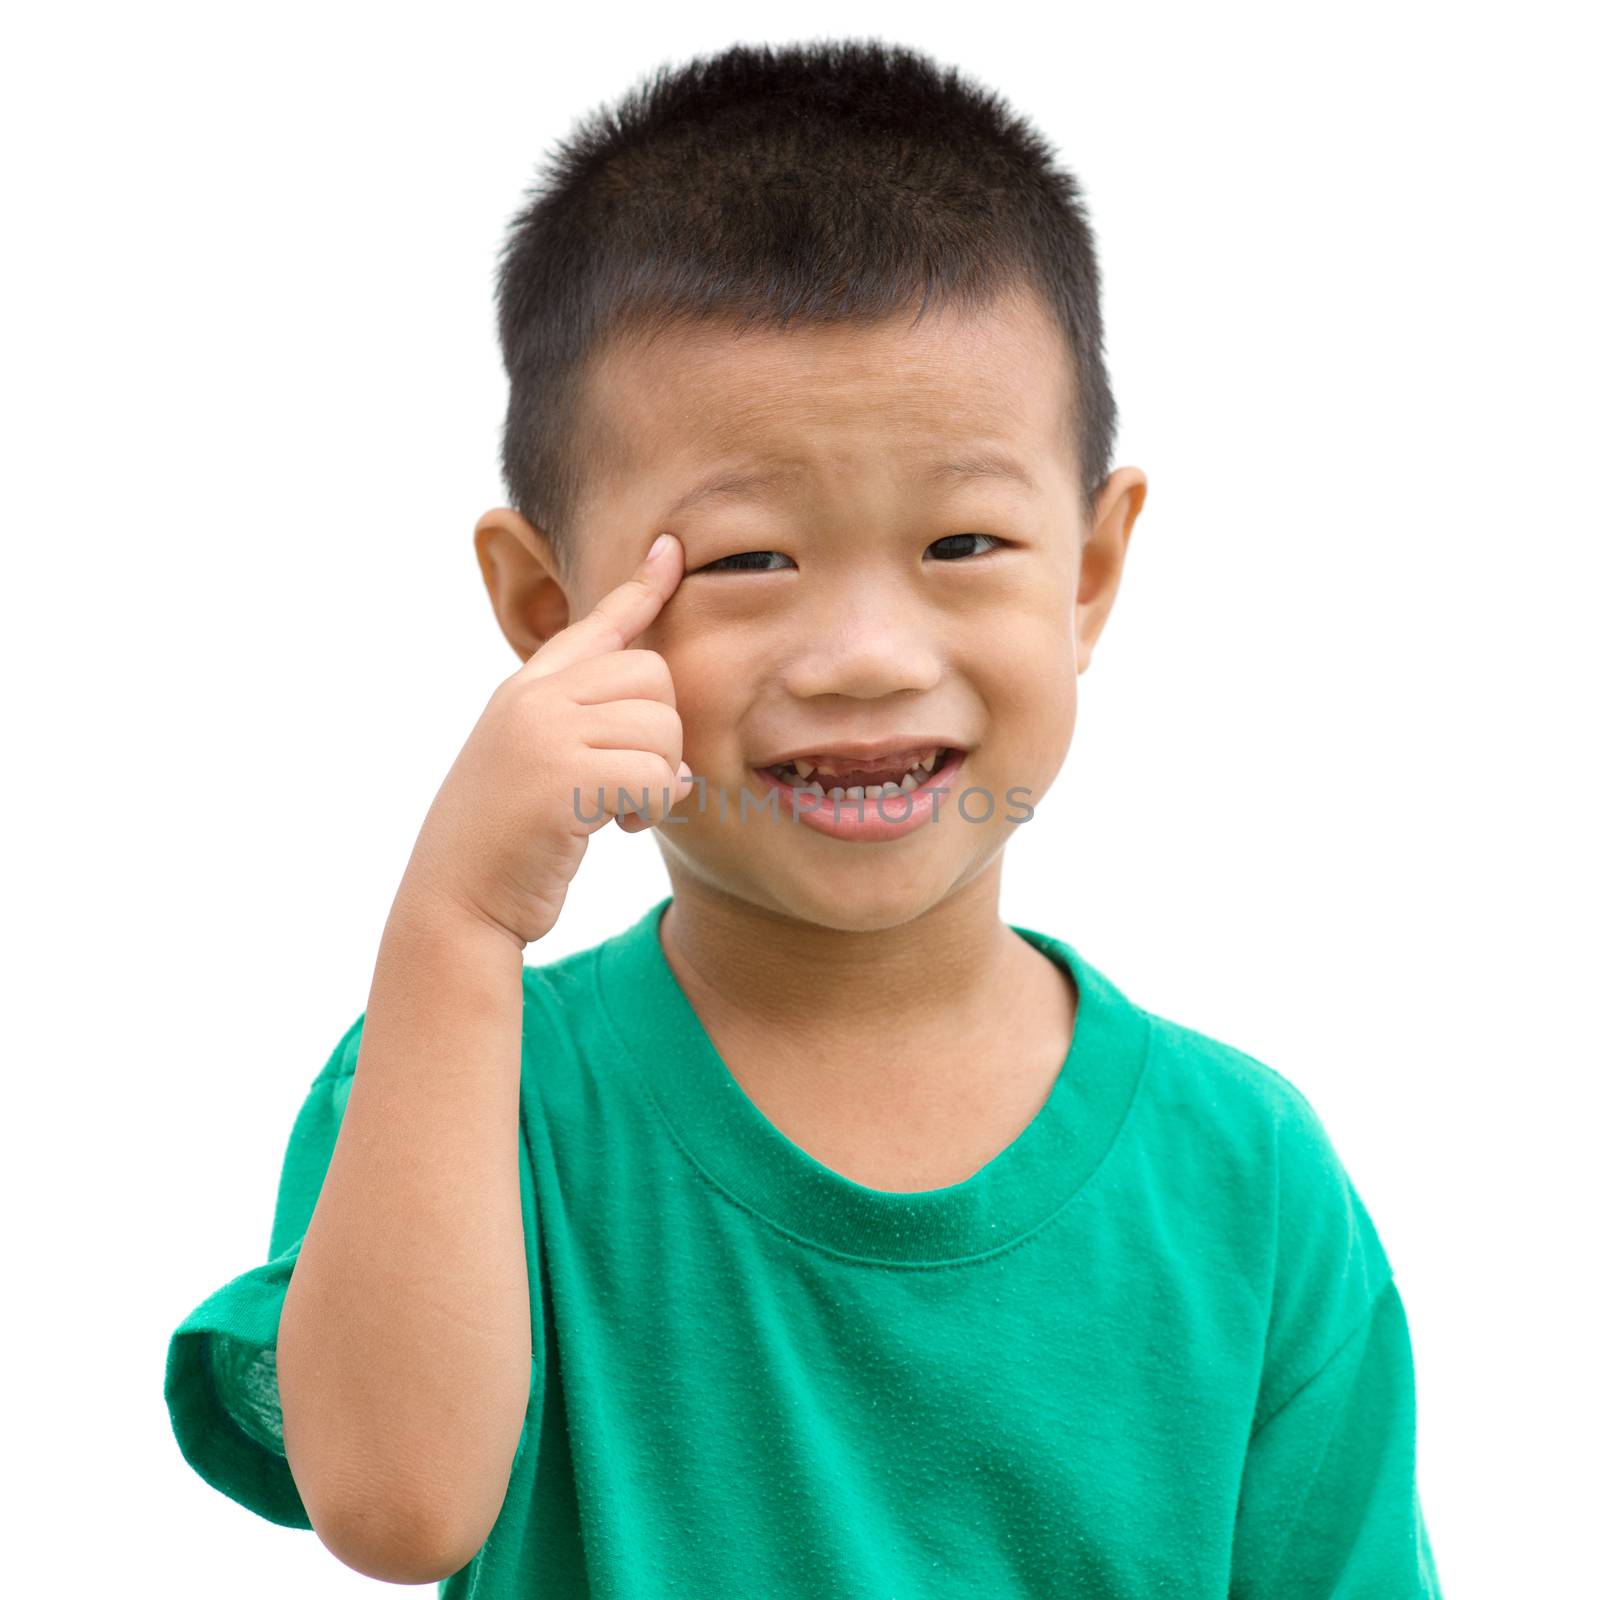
<point x="1117" y="508"/>
<point x="520" y="572"/>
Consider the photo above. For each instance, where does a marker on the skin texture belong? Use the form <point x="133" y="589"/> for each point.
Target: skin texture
<point x="792" y="946"/>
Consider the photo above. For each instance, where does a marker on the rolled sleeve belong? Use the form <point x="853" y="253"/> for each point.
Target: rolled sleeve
<point x="222" y="1375"/>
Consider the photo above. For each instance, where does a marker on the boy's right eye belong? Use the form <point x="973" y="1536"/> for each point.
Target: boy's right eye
<point x="745" y="561"/>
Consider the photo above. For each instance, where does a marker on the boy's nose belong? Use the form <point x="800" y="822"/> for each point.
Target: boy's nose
<point x="862" y="657"/>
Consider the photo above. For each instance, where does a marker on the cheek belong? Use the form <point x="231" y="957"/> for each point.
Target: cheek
<point x="1030" y="685"/>
<point x="707" y="683"/>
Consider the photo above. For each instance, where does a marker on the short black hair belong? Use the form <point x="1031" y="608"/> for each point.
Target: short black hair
<point x="803" y="184"/>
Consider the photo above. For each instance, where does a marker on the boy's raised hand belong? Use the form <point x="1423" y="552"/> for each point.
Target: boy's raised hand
<point x="504" y="835"/>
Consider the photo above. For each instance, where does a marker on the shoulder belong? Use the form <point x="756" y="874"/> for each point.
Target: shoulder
<point x="1324" y="1262"/>
<point x="570" y="1039"/>
<point x="612" y="977"/>
<point x="1238" y="1097"/>
<point x="571" y="973"/>
<point x="553" y="993"/>
<point x="557" y="994"/>
<point x="1244" y="1104"/>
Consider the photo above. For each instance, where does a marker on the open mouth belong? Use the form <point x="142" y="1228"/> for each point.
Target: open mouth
<point x="841" y="779"/>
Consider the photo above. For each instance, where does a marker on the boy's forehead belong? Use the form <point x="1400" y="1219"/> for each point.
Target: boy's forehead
<point x="674" y="404"/>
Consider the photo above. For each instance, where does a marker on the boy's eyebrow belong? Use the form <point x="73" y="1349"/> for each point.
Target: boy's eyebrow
<point x="986" y="463"/>
<point x="758" y="483"/>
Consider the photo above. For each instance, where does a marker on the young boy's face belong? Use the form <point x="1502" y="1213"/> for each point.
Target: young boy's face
<point x="849" y="627"/>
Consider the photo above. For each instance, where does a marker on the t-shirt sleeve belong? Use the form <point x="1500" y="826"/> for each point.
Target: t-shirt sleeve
<point x="1328" y="1502"/>
<point x="222" y="1378"/>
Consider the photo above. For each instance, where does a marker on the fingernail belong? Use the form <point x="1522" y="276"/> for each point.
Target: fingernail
<point x="658" y="546"/>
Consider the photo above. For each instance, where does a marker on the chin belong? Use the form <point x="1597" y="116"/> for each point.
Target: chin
<point x="853" y="899"/>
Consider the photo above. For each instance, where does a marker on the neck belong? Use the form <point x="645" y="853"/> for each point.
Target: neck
<point x="776" y="972"/>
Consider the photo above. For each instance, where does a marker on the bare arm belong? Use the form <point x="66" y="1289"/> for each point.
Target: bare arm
<point x="404" y="1341"/>
<point x="404" y="1348"/>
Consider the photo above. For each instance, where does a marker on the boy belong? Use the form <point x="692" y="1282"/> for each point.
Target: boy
<point x="820" y="1233"/>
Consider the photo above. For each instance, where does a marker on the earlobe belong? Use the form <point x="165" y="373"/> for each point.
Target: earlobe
<point x="519" y="571"/>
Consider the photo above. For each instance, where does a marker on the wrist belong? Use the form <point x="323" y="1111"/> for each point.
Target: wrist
<point x="426" y="909"/>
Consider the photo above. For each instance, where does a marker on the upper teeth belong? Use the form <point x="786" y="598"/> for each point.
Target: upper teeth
<point x="919" y="773"/>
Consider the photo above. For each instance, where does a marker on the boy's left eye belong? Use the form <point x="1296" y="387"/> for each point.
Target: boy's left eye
<point x="956" y="538"/>
<point x="753" y="560"/>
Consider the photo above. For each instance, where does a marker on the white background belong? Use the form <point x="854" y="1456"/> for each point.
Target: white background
<point x="1325" y="797"/>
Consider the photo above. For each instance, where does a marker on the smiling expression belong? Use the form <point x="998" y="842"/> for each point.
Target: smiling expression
<point x="882" y="537"/>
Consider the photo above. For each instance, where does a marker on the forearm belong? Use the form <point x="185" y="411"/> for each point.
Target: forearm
<point x="404" y="1344"/>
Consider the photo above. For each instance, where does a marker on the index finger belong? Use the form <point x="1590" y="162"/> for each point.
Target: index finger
<point x="619" y="616"/>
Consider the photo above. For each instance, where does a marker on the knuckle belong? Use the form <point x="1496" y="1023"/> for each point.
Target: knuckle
<point x="613" y="635"/>
<point x="651" y="661"/>
<point x="658" y="731"/>
<point x="508" y="689"/>
<point x="645" y="775"/>
<point x="520" y="687"/>
<point x="527" y="714"/>
<point x="671" y="745"/>
<point x="663" y="716"/>
<point x="647" y="767"/>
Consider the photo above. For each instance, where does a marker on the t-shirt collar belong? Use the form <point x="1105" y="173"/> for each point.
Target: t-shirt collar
<point x="723" y="1132"/>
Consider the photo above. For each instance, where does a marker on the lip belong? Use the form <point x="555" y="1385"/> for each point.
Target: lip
<point x="865" y="821"/>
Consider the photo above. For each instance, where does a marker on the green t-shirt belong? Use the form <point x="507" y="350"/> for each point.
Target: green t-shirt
<point x="1154" y="1347"/>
